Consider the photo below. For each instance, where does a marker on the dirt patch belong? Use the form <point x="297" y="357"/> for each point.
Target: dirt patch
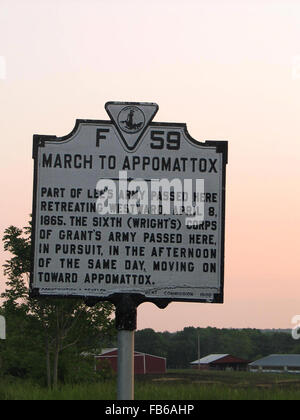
<point x="287" y="381"/>
<point x="168" y="379"/>
<point x="242" y="385"/>
<point x="206" y="382"/>
<point x="264" y="386"/>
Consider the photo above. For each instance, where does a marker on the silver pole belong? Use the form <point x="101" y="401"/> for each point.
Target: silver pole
<point x="126" y="314"/>
<point x="199" y="349"/>
<point x="125" y="365"/>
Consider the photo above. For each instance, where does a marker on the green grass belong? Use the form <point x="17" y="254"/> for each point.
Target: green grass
<point x="207" y="385"/>
<point x="175" y="385"/>
<point x="24" y="390"/>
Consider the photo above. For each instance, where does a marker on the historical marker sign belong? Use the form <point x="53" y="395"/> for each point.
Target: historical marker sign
<point x="129" y="206"/>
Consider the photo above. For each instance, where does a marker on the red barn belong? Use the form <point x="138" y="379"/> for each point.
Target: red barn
<point x="143" y="362"/>
<point x="220" y="362"/>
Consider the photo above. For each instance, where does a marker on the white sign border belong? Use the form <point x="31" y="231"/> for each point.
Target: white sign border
<point x="220" y="147"/>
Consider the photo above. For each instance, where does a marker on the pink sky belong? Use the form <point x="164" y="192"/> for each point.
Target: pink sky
<point x="229" y="69"/>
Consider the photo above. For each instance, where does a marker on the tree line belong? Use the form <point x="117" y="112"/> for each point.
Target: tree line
<point x="181" y="348"/>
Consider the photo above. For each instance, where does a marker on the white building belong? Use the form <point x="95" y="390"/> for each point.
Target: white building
<point x="277" y="363"/>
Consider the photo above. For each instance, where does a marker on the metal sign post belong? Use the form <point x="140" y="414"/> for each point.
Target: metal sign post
<point x="125" y="365"/>
<point x="128" y="210"/>
<point x="199" y="360"/>
<point x="126" y="310"/>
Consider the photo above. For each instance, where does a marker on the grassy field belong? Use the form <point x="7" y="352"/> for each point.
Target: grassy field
<point x="194" y="385"/>
<point x="175" y="385"/>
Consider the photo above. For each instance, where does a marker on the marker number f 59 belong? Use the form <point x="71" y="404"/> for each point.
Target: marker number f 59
<point x="161" y="139"/>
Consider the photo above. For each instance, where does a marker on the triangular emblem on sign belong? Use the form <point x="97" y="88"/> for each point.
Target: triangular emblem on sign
<point x="131" y="119"/>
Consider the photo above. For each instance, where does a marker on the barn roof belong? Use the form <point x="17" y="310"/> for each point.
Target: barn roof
<point x="114" y="352"/>
<point x="106" y="351"/>
<point x="209" y="359"/>
<point x="276" y="360"/>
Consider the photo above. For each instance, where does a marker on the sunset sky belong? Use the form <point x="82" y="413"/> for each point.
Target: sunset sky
<point x="229" y="69"/>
